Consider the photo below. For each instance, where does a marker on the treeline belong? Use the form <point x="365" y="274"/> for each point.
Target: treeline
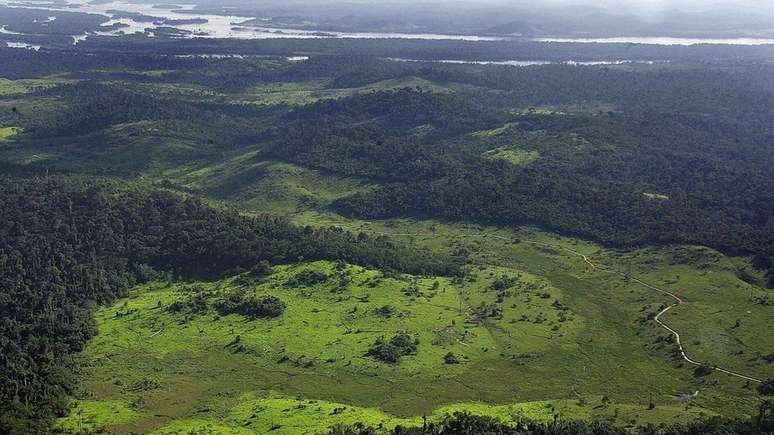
<point x="67" y="244"/>
<point x="16" y="63"/>
<point x="430" y="49"/>
<point x="467" y="424"/>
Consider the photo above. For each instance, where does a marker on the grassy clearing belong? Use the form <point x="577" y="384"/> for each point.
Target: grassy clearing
<point x="496" y="131"/>
<point x="11" y="87"/>
<point x="88" y="414"/>
<point x="655" y="196"/>
<point x="723" y="317"/>
<point x="325" y="332"/>
<point x="266" y="185"/>
<point x="513" y="156"/>
<point x="281" y="375"/>
<point x="716" y="297"/>
<point x="8" y="132"/>
<point x="24" y="86"/>
<point x="270" y="94"/>
<point x="331" y="325"/>
<point x="716" y="294"/>
<point x="282" y="415"/>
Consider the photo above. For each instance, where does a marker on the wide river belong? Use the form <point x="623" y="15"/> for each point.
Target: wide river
<point x="216" y="26"/>
<point x="663" y="40"/>
<point x="234" y="26"/>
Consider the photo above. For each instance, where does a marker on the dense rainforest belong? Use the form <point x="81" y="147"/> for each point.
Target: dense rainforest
<point x="72" y="243"/>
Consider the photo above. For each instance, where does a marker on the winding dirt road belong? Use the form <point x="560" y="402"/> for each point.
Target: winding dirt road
<point x="678" y="301"/>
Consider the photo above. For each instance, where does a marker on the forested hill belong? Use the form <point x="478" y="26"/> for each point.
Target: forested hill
<point x="69" y="243"/>
<point x="626" y="179"/>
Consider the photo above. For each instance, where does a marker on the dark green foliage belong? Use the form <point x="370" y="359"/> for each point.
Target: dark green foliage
<point x="352" y="52"/>
<point x="240" y="302"/>
<point x="307" y="278"/>
<point x="196" y="304"/>
<point x="451" y="358"/>
<point x="391" y="351"/>
<point x="767" y="387"/>
<point x="386" y="311"/>
<point x="260" y="269"/>
<point x="503" y="283"/>
<point x="35" y="22"/>
<point x="391" y="135"/>
<point x="703" y="370"/>
<point x="468" y="424"/>
<point x="67" y="244"/>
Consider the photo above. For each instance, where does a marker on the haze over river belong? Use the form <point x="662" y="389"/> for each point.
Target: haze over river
<point x="210" y="25"/>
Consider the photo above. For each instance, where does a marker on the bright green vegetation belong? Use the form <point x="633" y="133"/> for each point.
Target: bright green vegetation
<point x="513" y="156"/>
<point x="275" y="413"/>
<point x="655" y="196"/>
<point x="269" y="94"/>
<point x="23" y="86"/>
<point x="8" y="132"/>
<point x="97" y="414"/>
<point x="333" y="323"/>
<point x="10" y="87"/>
<point x="529" y="363"/>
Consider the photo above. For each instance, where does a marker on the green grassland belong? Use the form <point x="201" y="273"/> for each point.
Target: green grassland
<point x="193" y="369"/>
<point x="24" y="86"/>
<point x="655" y="196"/>
<point x="268" y="94"/>
<point x="513" y="156"/>
<point x="8" y="132"/>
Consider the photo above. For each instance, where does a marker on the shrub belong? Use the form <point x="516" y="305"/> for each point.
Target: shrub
<point x="703" y="370"/>
<point x="239" y="302"/>
<point x="400" y="344"/>
<point x="450" y="358"/>
<point x="307" y="278"/>
<point x="504" y="283"/>
<point x="386" y="311"/>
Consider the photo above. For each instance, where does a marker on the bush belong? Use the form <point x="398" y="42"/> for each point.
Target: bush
<point x="307" y="278"/>
<point x="703" y="370"/>
<point x="386" y="311"/>
<point x="767" y="387"/>
<point x="391" y="351"/>
<point x="239" y="302"/>
<point x="194" y="304"/>
<point x="504" y="283"/>
<point x="266" y="306"/>
<point x="450" y="358"/>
